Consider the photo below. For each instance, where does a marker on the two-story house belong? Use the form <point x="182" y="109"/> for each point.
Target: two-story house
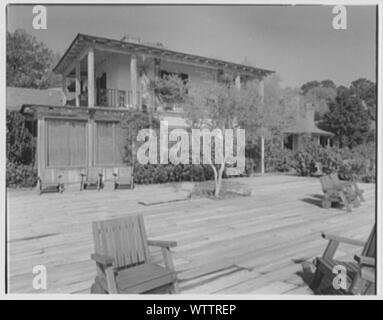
<point x="109" y="77"/>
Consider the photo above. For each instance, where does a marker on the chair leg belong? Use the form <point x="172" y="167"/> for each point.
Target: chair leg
<point x="316" y="282"/>
<point x="345" y="201"/>
<point x="96" y="288"/>
<point x="174" y="288"/>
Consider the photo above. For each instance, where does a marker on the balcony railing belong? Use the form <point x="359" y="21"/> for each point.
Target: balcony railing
<point x="116" y="98"/>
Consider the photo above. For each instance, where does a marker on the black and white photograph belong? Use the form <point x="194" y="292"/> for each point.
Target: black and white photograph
<point x="180" y="150"/>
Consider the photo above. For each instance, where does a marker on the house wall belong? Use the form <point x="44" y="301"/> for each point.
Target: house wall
<point x="67" y="146"/>
<point x="117" y="68"/>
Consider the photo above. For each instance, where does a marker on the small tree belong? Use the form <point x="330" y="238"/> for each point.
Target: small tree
<point x="221" y="106"/>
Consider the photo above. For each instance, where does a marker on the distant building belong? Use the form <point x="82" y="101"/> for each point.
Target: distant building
<point x="304" y="124"/>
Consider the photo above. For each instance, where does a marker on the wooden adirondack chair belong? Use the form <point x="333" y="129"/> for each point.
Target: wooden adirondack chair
<point x="123" y="261"/>
<point x="348" y="184"/>
<point x="360" y="274"/>
<point x="124" y="178"/>
<point x="49" y="181"/>
<point x="92" y="179"/>
<point x="336" y="193"/>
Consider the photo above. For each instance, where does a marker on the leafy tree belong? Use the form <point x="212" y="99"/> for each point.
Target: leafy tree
<point x="328" y="84"/>
<point x="366" y="90"/>
<point x="309" y="85"/>
<point x="220" y="106"/>
<point x="20" y="142"/>
<point x="320" y="97"/>
<point x="28" y="61"/>
<point x="347" y="119"/>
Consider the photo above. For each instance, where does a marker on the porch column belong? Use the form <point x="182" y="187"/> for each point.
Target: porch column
<point x="261" y="90"/>
<point x="64" y="88"/>
<point x="238" y="82"/>
<point x="262" y="155"/>
<point x="40" y="145"/>
<point x="91" y="76"/>
<point x="78" y="84"/>
<point x="133" y="79"/>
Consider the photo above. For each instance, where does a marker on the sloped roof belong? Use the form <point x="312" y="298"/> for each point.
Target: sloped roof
<point x="83" y="40"/>
<point x="17" y="97"/>
<point x="303" y="125"/>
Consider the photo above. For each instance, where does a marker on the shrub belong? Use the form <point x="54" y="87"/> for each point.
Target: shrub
<point x="358" y="163"/>
<point x="20" y="170"/>
<point x="278" y="159"/>
<point x="20" y="175"/>
<point x="162" y="173"/>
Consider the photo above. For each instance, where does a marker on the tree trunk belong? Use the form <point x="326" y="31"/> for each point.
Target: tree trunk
<point x="218" y="180"/>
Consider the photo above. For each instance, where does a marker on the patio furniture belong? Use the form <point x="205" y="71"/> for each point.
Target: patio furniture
<point x="333" y="192"/>
<point x="49" y="181"/>
<point x="124" y="178"/>
<point x="92" y="180"/>
<point x="349" y="184"/>
<point x="123" y="260"/>
<point x="359" y="274"/>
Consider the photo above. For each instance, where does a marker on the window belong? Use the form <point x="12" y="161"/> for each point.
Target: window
<point x="66" y="143"/>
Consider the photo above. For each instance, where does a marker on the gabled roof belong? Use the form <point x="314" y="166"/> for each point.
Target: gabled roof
<point x="82" y="41"/>
<point x="17" y="97"/>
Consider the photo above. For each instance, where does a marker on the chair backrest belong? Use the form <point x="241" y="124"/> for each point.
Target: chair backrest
<point x="369" y="249"/>
<point x="125" y="173"/>
<point x="327" y="183"/>
<point x="93" y="172"/>
<point x="123" y="239"/>
<point x="49" y="176"/>
<point x="335" y="178"/>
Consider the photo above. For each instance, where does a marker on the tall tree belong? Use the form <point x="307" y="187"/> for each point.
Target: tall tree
<point x="348" y="119"/>
<point x="309" y="85"/>
<point x="366" y="90"/>
<point x="28" y="61"/>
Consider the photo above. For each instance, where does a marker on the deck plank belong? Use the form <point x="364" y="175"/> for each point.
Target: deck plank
<point x="243" y="245"/>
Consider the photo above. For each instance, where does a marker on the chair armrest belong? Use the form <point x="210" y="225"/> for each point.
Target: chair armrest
<point x="368" y="273"/>
<point x="366" y="261"/>
<point x="343" y="240"/>
<point x="102" y="259"/>
<point x="115" y="174"/>
<point x="162" y="243"/>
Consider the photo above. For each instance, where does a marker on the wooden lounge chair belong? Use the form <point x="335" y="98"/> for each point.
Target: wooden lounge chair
<point x="49" y="181"/>
<point x="123" y="261"/>
<point x="124" y="178"/>
<point x="360" y="274"/>
<point x="348" y="184"/>
<point x="93" y="179"/>
<point x="337" y="193"/>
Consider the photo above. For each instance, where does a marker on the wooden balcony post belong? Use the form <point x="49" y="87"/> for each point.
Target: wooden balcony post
<point x="91" y="76"/>
<point x="238" y="82"/>
<point x="133" y="79"/>
<point x="261" y="90"/>
<point x="64" y="88"/>
<point x="262" y="154"/>
<point x="78" y="84"/>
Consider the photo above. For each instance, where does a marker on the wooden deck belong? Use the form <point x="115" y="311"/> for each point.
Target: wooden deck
<point x="244" y="245"/>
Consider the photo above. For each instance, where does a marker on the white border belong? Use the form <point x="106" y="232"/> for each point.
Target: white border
<point x="379" y="296"/>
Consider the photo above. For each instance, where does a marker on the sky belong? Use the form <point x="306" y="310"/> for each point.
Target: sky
<point x="298" y="42"/>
